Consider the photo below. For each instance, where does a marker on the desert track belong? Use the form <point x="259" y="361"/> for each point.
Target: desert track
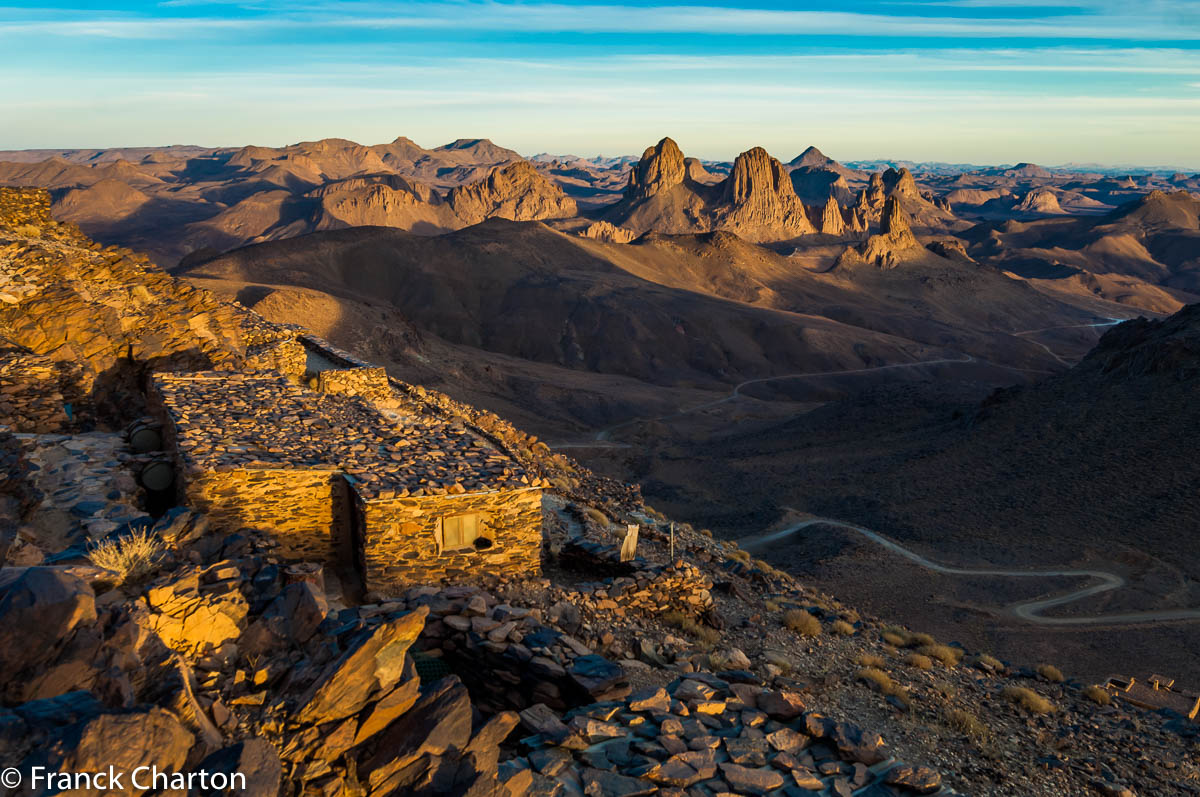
<point x="1030" y="611"/>
<point x="602" y="438"/>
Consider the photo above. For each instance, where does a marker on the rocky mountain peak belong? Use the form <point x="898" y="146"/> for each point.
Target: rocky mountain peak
<point x="812" y="157"/>
<point x="894" y="220"/>
<point x="900" y="182"/>
<point x="517" y="192"/>
<point x="661" y="167"/>
<point x="759" y="199"/>
<point x="832" y="222"/>
<point x="756" y="176"/>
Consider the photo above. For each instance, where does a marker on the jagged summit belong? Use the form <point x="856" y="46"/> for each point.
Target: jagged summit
<point x="660" y="168"/>
<point x="759" y="201"/>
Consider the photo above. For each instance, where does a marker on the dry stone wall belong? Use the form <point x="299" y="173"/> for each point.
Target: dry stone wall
<point x="367" y="383"/>
<point x="30" y="395"/>
<point x="108" y="311"/>
<point x="401" y="545"/>
<point x="303" y="510"/>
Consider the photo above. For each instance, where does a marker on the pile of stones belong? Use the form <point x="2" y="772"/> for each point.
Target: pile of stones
<point x="507" y="655"/>
<point x="704" y="736"/>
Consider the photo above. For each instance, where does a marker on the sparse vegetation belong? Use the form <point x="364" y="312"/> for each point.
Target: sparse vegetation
<point x="1050" y="673"/>
<point x="871" y="660"/>
<point x="877" y="678"/>
<point x="802" y="622"/>
<point x="708" y="637"/>
<point x="740" y="555"/>
<point x="946" y="654"/>
<point x="881" y="682"/>
<point x="918" y="661"/>
<point x="131" y="557"/>
<point x="1027" y="699"/>
<point x="596" y="516"/>
<point x="842" y="628"/>
<point x="921" y="641"/>
<point x="991" y="662"/>
<point x="968" y="724"/>
<point x="1098" y="695"/>
<point x="895" y="637"/>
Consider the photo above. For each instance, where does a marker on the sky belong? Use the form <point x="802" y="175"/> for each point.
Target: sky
<point x="959" y="81"/>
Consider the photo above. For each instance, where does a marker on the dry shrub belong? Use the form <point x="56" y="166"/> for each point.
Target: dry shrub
<point x="131" y="557"/>
<point x="740" y="555"/>
<point x="916" y="640"/>
<point x="708" y="637"/>
<point x="771" y="606"/>
<point x="871" y="660"/>
<point x="991" y="661"/>
<point x="896" y="639"/>
<point x="946" y="654"/>
<point x="918" y="661"/>
<point x="1027" y="699"/>
<point x="881" y="682"/>
<point x="1050" y="673"/>
<point x="1098" y="695"/>
<point x="946" y="689"/>
<point x="596" y="516"/>
<point x="876" y="678"/>
<point x="842" y="628"/>
<point x="967" y="724"/>
<point x="802" y="622"/>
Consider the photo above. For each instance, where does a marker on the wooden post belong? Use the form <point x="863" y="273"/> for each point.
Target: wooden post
<point x="672" y="542"/>
<point x="629" y="544"/>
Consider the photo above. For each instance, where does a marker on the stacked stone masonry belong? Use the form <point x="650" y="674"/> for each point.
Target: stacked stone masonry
<point x="30" y="396"/>
<point x="333" y="477"/>
<point x="368" y="383"/>
<point x="108" y="312"/>
<point x="401" y="545"/>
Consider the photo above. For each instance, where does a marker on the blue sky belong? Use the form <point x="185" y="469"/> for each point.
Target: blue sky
<point x="984" y="81"/>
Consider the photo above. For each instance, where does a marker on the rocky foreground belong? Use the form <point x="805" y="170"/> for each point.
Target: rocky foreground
<point x="691" y="669"/>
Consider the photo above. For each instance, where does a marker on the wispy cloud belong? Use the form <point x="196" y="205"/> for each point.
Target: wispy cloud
<point x="1129" y="23"/>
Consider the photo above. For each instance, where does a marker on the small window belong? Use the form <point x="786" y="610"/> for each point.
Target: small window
<point x="464" y="531"/>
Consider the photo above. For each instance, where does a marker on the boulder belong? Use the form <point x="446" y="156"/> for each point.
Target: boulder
<point x="40" y="608"/>
<point x="256" y="759"/>
<point x="373" y="664"/>
<point x="149" y="738"/>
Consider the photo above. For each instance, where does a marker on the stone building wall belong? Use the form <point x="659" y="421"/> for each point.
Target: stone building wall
<point x="287" y="356"/>
<point x="400" y="539"/>
<point x="368" y="383"/>
<point x="305" y="510"/>
<point x="30" y="398"/>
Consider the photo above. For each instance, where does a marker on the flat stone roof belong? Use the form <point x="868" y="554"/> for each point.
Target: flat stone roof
<point x="233" y="421"/>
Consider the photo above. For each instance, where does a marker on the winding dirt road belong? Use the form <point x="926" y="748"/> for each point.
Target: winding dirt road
<point x="603" y="437"/>
<point x="1030" y="611"/>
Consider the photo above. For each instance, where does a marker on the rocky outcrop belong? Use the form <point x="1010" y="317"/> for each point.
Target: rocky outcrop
<point x="758" y="201"/>
<point x="894" y="244"/>
<point x="900" y="183"/>
<point x="608" y="232"/>
<point x="1039" y="201"/>
<point x="661" y="168"/>
<point x="517" y="192"/>
<point x="832" y="222"/>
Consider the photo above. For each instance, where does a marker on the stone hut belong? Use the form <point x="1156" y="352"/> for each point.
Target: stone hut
<point x="333" y="370"/>
<point x="1158" y="692"/>
<point x="406" y="498"/>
